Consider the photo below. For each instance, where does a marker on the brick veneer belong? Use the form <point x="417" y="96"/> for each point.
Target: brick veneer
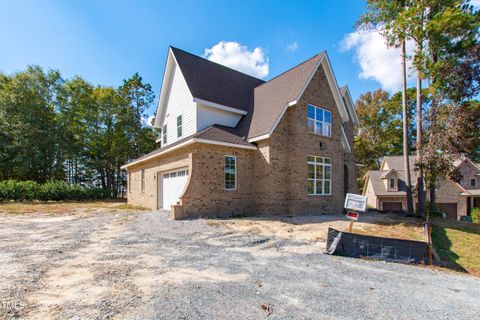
<point x="271" y="180"/>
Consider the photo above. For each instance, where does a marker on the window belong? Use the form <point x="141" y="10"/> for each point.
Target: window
<point x="129" y="182"/>
<point x="179" y="126"/>
<point x="319" y="120"/>
<point x="392" y="183"/>
<point x="164" y="134"/>
<point x="230" y="173"/>
<point x="319" y="175"/>
<point x="143" y="180"/>
<point x="473" y="182"/>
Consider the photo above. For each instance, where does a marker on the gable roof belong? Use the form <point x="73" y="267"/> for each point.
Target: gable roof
<point x="214" y="82"/>
<point x="271" y="98"/>
<point x="215" y="134"/>
<point x="386" y="173"/>
<point x="396" y="162"/>
<point x="263" y="104"/>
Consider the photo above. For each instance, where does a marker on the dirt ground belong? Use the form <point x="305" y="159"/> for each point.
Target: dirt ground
<point x="107" y="260"/>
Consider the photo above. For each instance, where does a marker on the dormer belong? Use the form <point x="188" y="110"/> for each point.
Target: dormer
<point x="390" y="178"/>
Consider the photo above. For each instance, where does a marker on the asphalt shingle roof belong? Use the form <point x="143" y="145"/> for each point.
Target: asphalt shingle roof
<point x="214" y="82"/>
<point x="271" y="98"/>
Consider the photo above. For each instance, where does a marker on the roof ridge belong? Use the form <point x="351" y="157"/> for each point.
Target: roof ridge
<point x="216" y="63"/>
<point x="292" y="68"/>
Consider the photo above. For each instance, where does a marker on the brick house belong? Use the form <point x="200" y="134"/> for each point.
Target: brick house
<point x="385" y="188"/>
<point x="232" y="144"/>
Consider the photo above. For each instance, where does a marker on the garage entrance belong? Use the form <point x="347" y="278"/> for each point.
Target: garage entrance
<point x="171" y="184"/>
<point x="392" y="206"/>
<point x="449" y="208"/>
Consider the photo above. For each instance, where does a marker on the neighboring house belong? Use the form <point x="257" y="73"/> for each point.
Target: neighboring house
<point x="232" y="144"/>
<point x="385" y="188"/>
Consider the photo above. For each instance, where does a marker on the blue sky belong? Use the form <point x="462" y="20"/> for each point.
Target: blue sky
<point x="106" y="41"/>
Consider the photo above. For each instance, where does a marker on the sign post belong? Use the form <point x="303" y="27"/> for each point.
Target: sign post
<point x="355" y="204"/>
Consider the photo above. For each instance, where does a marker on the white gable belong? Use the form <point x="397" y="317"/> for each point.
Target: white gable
<point x="175" y="100"/>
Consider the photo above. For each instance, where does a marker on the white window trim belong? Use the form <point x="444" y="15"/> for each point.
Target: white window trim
<point x="224" y="173"/>
<point x="322" y="122"/>
<point x="180" y="126"/>
<point x="323" y="175"/>
<point x="142" y="180"/>
<point x="164" y="134"/>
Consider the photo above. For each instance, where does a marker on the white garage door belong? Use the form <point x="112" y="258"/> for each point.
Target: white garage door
<point x="173" y="184"/>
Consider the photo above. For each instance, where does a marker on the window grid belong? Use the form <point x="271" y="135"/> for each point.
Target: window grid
<point x="319" y="120"/>
<point x="473" y="182"/>
<point x="164" y="134"/>
<point x="392" y="183"/>
<point x="230" y="172"/>
<point x="179" y="126"/>
<point x="319" y="175"/>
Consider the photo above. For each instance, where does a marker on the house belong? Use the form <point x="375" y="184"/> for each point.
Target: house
<point x="385" y="188"/>
<point x="232" y="144"/>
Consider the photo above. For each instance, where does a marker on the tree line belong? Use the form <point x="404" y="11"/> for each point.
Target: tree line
<point x="56" y="129"/>
<point x="439" y="118"/>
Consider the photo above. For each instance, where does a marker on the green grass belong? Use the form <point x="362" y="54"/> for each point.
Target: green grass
<point x="457" y="244"/>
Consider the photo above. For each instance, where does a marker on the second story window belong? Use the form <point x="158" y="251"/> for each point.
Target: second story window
<point x="392" y="183"/>
<point x="473" y="182"/>
<point x="179" y="126"/>
<point x="164" y="134"/>
<point x="319" y="120"/>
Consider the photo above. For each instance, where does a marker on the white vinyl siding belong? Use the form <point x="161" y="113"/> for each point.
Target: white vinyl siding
<point x="319" y="175"/>
<point x="179" y="103"/>
<point x="207" y="116"/>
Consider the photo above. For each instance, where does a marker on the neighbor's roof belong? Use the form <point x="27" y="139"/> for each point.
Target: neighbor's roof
<point x="379" y="187"/>
<point x="271" y="98"/>
<point x="215" y="134"/>
<point x="396" y="162"/>
<point x="214" y="82"/>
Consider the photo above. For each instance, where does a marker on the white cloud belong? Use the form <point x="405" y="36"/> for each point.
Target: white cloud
<point x="238" y="57"/>
<point x="148" y="121"/>
<point x="292" y="47"/>
<point x="377" y="61"/>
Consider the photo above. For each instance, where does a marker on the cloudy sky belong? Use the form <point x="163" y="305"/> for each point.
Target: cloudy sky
<point x="106" y="41"/>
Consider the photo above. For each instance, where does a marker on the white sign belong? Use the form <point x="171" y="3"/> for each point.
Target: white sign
<point x="355" y="202"/>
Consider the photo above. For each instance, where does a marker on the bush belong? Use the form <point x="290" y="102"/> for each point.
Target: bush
<point x="475" y="213"/>
<point x="12" y="190"/>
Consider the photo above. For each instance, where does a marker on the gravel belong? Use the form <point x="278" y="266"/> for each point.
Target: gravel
<point x="142" y="265"/>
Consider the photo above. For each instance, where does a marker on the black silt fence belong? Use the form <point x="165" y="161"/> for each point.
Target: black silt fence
<point x="376" y="248"/>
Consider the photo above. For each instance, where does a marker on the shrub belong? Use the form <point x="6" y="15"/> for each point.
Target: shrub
<point x="52" y="190"/>
<point x="475" y="215"/>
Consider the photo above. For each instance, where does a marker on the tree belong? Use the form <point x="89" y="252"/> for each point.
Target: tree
<point x="385" y="15"/>
<point x="56" y="129"/>
<point x="380" y="130"/>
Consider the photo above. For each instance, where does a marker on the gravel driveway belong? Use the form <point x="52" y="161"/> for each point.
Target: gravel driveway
<point x="142" y="265"/>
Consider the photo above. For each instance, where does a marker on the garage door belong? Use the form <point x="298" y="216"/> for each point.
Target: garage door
<point x="173" y="184"/>
<point x="392" y="206"/>
<point x="449" y="208"/>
